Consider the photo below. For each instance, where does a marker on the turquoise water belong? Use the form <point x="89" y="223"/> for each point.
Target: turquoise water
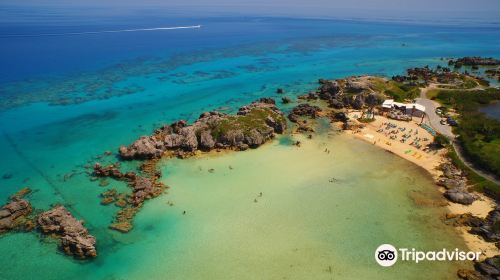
<point x="163" y="78"/>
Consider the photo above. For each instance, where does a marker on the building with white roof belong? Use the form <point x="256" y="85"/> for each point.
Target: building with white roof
<point x="412" y="109"/>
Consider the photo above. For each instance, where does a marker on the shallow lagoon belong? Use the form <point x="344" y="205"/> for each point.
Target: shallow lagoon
<point x="46" y="147"/>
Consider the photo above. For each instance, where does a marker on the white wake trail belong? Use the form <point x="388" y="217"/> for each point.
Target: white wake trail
<point x="104" y="31"/>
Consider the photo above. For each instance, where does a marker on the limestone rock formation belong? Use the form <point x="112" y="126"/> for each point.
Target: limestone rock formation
<point x="253" y="125"/>
<point x="74" y="238"/>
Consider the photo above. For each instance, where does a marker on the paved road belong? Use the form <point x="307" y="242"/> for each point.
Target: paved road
<point x="433" y="118"/>
<point x="487" y="176"/>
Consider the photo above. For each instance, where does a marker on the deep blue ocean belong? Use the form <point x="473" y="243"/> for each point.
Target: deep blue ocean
<point x="65" y="99"/>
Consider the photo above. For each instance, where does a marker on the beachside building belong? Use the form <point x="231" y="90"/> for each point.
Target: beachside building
<point x="411" y="109"/>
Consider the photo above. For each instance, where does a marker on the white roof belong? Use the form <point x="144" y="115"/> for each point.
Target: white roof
<point x="389" y="103"/>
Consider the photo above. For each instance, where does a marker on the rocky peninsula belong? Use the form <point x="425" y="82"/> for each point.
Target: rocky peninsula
<point x="250" y="127"/>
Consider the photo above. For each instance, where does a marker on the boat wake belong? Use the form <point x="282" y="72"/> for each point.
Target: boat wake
<point x="103" y="31"/>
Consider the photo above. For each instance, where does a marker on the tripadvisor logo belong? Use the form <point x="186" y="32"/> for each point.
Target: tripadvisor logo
<point x="387" y="255"/>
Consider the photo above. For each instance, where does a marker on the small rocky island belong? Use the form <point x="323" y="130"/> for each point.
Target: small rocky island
<point x="75" y="239"/>
<point x="59" y="223"/>
<point x="250" y="127"/>
<point x="15" y="214"/>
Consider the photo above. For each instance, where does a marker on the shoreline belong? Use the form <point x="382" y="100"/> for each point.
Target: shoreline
<point x="429" y="163"/>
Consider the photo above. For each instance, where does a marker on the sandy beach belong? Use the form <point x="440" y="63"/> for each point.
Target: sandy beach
<point x="429" y="161"/>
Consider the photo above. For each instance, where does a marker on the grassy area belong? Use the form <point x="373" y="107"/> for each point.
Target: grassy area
<point x="480" y="184"/>
<point x="432" y="93"/>
<point x="255" y="119"/>
<point x="479" y="135"/>
<point x="400" y="92"/>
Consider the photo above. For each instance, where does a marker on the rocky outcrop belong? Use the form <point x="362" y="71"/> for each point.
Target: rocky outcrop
<point x="489" y="228"/>
<point x="113" y="172"/>
<point x="75" y="239"/>
<point x="340" y="116"/>
<point x="13" y="214"/>
<point x="474" y="61"/>
<point x="252" y="126"/>
<point x="489" y="268"/>
<point x="309" y="96"/>
<point x="459" y="195"/>
<point x="303" y="110"/>
<point x="328" y="89"/>
<point x="355" y="87"/>
<point x="455" y="183"/>
<point x="485" y="270"/>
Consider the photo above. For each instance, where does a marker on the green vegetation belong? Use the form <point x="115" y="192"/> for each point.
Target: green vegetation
<point x="441" y="141"/>
<point x="432" y="93"/>
<point x="479" y="135"/>
<point x="480" y="184"/>
<point x="400" y="92"/>
<point x="255" y="119"/>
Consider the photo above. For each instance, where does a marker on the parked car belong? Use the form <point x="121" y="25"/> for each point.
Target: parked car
<point x="451" y="121"/>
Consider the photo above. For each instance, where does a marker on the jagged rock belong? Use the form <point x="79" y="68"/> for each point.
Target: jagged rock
<point x="466" y="219"/>
<point x="278" y="126"/>
<point x="173" y="141"/>
<point x="490" y="267"/>
<point x="206" y="140"/>
<point x="145" y="148"/>
<point x="489" y="228"/>
<point x="328" y="89"/>
<point x="459" y="195"/>
<point x="232" y="137"/>
<point x="254" y="138"/>
<point x="11" y="214"/>
<point x="449" y="183"/>
<point x="309" y="96"/>
<point x="451" y="171"/>
<point x="372" y="100"/>
<point x="112" y="171"/>
<point x="211" y="130"/>
<point x="358" y="102"/>
<point x="267" y="100"/>
<point x="340" y="116"/>
<point x="355" y="87"/>
<point x="190" y="143"/>
<point x="75" y="238"/>
<point x="304" y="110"/>
<point x="142" y="189"/>
<point x="335" y="103"/>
